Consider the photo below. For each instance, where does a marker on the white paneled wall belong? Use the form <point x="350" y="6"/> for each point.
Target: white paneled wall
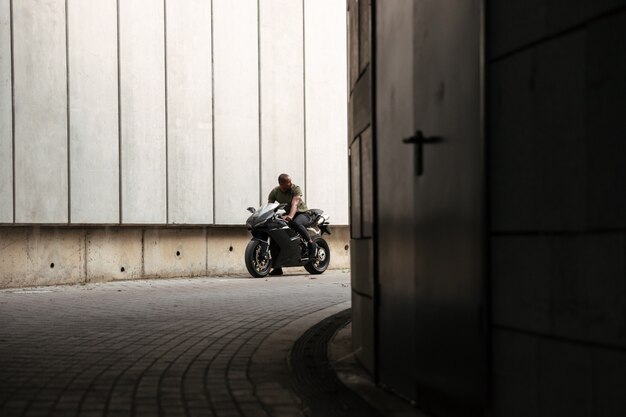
<point x="142" y="105"/>
<point x="236" y="66"/>
<point x="169" y="112"/>
<point x="326" y="110"/>
<point x="189" y="115"/>
<point x="282" y="92"/>
<point x="40" y="76"/>
<point x="6" y="129"/>
<point x="94" y="128"/>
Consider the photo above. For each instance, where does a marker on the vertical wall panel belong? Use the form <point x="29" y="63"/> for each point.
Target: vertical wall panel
<point x="41" y="189"/>
<point x="190" y="136"/>
<point x="367" y="179"/>
<point x="235" y="57"/>
<point x="6" y="118"/>
<point x="282" y="93"/>
<point x="356" y="216"/>
<point x="142" y="80"/>
<point x="326" y="113"/>
<point x="94" y="139"/>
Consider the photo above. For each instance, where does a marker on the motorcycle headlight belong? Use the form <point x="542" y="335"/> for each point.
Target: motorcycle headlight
<point x="252" y="224"/>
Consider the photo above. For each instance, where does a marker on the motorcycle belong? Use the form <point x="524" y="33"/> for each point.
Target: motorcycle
<point x="275" y="245"/>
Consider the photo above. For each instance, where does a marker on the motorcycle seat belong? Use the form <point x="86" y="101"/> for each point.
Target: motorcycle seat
<point x="313" y="215"/>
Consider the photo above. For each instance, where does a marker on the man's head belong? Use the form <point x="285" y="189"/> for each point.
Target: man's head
<point x="284" y="182"/>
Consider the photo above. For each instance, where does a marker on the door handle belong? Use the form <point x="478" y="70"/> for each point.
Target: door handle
<point x="420" y="140"/>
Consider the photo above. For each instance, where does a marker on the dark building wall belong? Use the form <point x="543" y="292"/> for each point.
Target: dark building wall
<point x="556" y="135"/>
<point x="360" y="143"/>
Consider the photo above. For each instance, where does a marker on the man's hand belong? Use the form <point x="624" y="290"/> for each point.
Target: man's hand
<point x="287" y="218"/>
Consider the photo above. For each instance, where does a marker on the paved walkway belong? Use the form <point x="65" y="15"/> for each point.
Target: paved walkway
<point x="179" y="347"/>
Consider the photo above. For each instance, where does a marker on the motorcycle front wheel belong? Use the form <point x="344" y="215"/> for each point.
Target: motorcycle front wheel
<point x="258" y="262"/>
<point x="321" y="261"/>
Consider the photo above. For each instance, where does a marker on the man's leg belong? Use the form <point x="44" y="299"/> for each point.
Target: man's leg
<point x="298" y="224"/>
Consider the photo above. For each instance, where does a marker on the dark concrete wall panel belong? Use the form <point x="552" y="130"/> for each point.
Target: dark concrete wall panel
<point x="522" y="267"/>
<point x="512" y="24"/>
<point x="565" y="382"/>
<point x="359" y="142"/>
<point x="350" y="121"/>
<point x="395" y="309"/>
<point x="353" y="42"/>
<point x="516" y="374"/>
<point x="609" y="380"/>
<point x="589" y="290"/>
<point x="564" y="14"/>
<point x="355" y="189"/>
<point x="363" y="330"/>
<point x="535" y="376"/>
<point x="367" y="181"/>
<point x="361" y="103"/>
<point x="538" y="138"/>
<point x="557" y="90"/>
<point x="566" y="286"/>
<point x="605" y="123"/>
<point x="362" y="266"/>
<point x="519" y="23"/>
<point x="511" y="144"/>
<point x="365" y="12"/>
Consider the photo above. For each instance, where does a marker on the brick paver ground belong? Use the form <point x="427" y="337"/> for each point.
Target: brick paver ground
<point x="177" y="347"/>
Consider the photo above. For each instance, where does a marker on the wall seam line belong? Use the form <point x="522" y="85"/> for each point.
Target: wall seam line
<point x="119" y="120"/>
<point x="557" y="338"/>
<point x="167" y="162"/>
<point x="68" y="116"/>
<point x="212" y="115"/>
<point x="11" y="14"/>
<point x="304" y="131"/>
<point x="85" y="236"/>
<point x="143" y="252"/>
<point x="258" y="14"/>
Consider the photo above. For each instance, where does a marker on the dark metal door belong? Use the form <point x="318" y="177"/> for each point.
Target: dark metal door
<point x="446" y="281"/>
<point x="395" y="245"/>
<point x="449" y="212"/>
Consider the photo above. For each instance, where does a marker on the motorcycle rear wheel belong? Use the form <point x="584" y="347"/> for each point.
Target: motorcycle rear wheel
<point x="321" y="261"/>
<point x="257" y="263"/>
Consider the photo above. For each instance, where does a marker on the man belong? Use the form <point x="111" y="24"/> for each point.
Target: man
<point x="290" y="194"/>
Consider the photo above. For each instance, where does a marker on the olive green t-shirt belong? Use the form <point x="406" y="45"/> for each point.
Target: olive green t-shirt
<point x="285" y="198"/>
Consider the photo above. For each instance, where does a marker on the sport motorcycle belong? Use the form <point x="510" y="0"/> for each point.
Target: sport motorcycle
<point x="275" y="245"/>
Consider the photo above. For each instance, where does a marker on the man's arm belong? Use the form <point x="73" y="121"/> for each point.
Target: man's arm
<point x="294" y="207"/>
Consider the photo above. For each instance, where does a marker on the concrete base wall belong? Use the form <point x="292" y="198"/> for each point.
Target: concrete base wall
<point x="46" y="255"/>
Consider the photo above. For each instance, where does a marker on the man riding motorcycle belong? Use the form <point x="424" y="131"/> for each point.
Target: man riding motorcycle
<point x="296" y="217"/>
